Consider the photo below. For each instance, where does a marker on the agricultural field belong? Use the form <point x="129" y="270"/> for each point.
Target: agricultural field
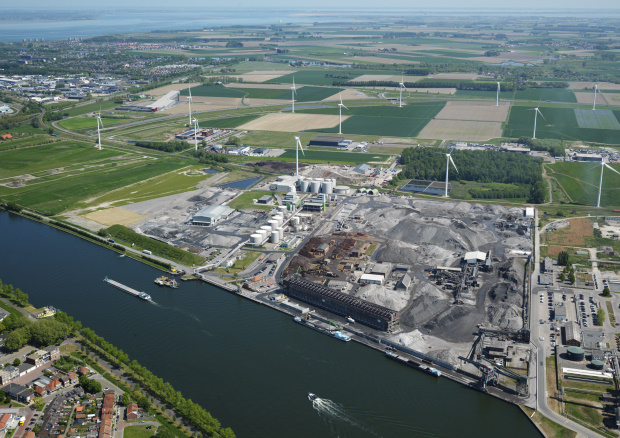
<point x="573" y="235"/>
<point x="480" y="111"/>
<point x="391" y="120"/>
<point x="461" y="130"/>
<point x="59" y="154"/>
<point x="320" y="77"/>
<point x="531" y="94"/>
<point x="581" y="181"/>
<point x="599" y="119"/>
<point x="335" y="157"/>
<point x="289" y="122"/>
<point x="560" y="123"/>
<point x="213" y="91"/>
<point x="303" y="94"/>
<point x="90" y="123"/>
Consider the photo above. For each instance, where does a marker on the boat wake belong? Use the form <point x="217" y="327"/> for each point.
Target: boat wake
<point x="336" y="416"/>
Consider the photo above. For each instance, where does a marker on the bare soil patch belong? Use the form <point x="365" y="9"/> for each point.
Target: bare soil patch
<point x="461" y="130"/>
<point x="588" y="97"/>
<point x="465" y="76"/>
<point x="481" y="111"/>
<point x="205" y="104"/>
<point x="116" y="215"/>
<point x="263" y="76"/>
<point x="288" y="122"/>
<point x="573" y="235"/>
<point x="267" y="86"/>
<point x="589" y="85"/>
<point x="173" y="87"/>
<point x="347" y="94"/>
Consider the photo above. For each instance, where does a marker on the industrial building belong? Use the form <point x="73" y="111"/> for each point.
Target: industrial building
<point x="161" y="104"/>
<point x="572" y="334"/>
<point x="560" y="313"/>
<point x="211" y="214"/>
<point x="587" y="157"/>
<point x="405" y="282"/>
<point x="322" y="140"/>
<point x="362" y="169"/>
<point x="362" y="311"/>
<point x="264" y="199"/>
<point x="315" y="207"/>
<point x="372" y="279"/>
<point x="547" y="265"/>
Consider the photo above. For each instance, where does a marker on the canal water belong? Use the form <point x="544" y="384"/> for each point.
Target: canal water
<point x="250" y="366"/>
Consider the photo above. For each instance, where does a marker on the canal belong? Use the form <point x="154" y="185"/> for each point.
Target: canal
<point x="250" y="366"/>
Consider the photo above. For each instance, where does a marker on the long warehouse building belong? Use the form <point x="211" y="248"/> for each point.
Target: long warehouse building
<point x="362" y="311"/>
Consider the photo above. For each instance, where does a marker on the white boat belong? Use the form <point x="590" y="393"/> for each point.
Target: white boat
<point x="312" y="397"/>
<point x="351" y="320"/>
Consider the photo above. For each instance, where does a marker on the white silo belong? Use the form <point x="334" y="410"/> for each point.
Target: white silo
<point x="282" y="209"/>
<point x="275" y="236"/>
<point x="315" y="186"/>
<point x="305" y="185"/>
<point x="280" y="219"/>
<point x="281" y="232"/>
<point x="327" y="187"/>
<point x="296" y="220"/>
<point x="341" y="190"/>
<point x="255" y="239"/>
<point x="262" y="234"/>
<point x="273" y="224"/>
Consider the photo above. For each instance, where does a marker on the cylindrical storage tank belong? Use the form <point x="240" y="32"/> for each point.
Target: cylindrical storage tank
<point x="255" y="239"/>
<point x="296" y="220"/>
<point x="292" y="190"/>
<point x="275" y="236"/>
<point x="341" y="190"/>
<point x="598" y="364"/>
<point x="281" y="209"/>
<point x="280" y="220"/>
<point x="262" y="234"/>
<point x="305" y="185"/>
<point x="327" y="187"/>
<point x="576" y="353"/>
<point x="267" y="228"/>
<point x="273" y="223"/>
<point x="281" y="232"/>
<point x="315" y="186"/>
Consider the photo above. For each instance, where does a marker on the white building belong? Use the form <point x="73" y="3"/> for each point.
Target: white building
<point x="211" y="214"/>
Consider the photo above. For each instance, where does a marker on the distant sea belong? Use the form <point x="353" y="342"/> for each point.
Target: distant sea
<point x="144" y="21"/>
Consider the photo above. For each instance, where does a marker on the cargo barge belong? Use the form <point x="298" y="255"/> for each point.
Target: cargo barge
<point x="337" y="334"/>
<point x="424" y="368"/>
<point x="127" y="289"/>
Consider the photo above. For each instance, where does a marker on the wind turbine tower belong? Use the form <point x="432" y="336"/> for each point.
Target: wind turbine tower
<point x="189" y="103"/>
<point x="497" y="99"/>
<point x="293" y="93"/>
<point x="340" y="105"/>
<point x="99" y="123"/>
<point x="595" y="91"/>
<point x="600" y="184"/>
<point x="401" y="85"/>
<point x="297" y="148"/>
<point x="536" y="112"/>
<point x="448" y="161"/>
<point x="195" y="134"/>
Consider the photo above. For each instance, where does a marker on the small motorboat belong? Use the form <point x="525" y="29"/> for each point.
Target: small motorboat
<point x="312" y="397"/>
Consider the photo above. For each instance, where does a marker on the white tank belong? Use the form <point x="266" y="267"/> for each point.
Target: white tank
<point x="327" y="187"/>
<point x="275" y="236"/>
<point x="305" y="186"/>
<point x="262" y="234"/>
<point x="281" y="209"/>
<point x="280" y="219"/>
<point x="273" y="223"/>
<point x="341" y="190"/>
<point x="280" y="231"/>
<point x="315" y="186"/>
<point x="255" y="239"/>
<point x="292" y="190"/>
<point x="296" y="220"/>
<point x="266" y="228"/>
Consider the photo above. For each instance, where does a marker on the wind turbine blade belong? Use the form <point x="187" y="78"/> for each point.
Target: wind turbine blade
<point x="301" y="147"/>
<point x="452" y="161"/>
<point x="541" y="115"/>
<point x="611" y="168"/>
<point x="345" y="106"/>
<point x="593" y="167"/>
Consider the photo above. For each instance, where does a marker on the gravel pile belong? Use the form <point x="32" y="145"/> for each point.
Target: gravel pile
<point x="392" y="299"/>
<point x="431" y="345"/>
<point x="423" y="309"/>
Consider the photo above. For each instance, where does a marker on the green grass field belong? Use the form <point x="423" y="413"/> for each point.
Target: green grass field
<point x="304" y="94"/>
<point x="228" y="123"/>
<point x="334" y="157"/>
<point x="321" y="77"/>
<point x="599" y="119"/>
<point x="244" y="201"/>
<point x="50" y="156"/>
<point x="138" y="432"/>
<point x="84" y="123"/>
<point x="65" y="193"/>
<point x="91" y="107"/>
<point x="581" y="180"/>
<point x="532" y="94"/>
<point x="560" y="123"/>
<point x="392" y="121"/>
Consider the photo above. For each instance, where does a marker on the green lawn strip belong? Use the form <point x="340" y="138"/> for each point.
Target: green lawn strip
<point x="161" y="249"/>
<point x="244" y="201"/>
<point x="240" y="265"/>
<point x="333" y="157"/>
<point x="11" y="309"/>
<point x="91" y="107"/>
<point x="90" y="123"/>
<point x="140" y="431"/>
<point x="581" y="180"/>
<point x="548" y="426"/>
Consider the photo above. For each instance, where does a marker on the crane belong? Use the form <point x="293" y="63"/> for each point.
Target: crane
<point x="491" y="373"/>
<point x="338" y="327"/>
<point x="488" y="373"/>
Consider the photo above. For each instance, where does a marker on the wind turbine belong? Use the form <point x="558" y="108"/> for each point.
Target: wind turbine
<point x="293" y="93"/>
<point x="536" y="112"/>
<point x="297" y="148"/>
<point x="497" y="99"/>
<point x="189" y="103"/>
<point x="401" y="85"/>
<point x="195" y="134"/>
<point x="448" y="161"/>
<point x="595" y="91"/>
<point x="340" y="105"/>
<point x="600" y="184"/>
<point x="99" y="122"/>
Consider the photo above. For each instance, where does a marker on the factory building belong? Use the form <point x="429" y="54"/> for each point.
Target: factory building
<point x="572" y="334"/>
<point x="547" y="265"/>
<point x="314" y="207"/>
<point x="587" y="157"/>
<point x="372" y="279"/>
<point x="322" y="140"/>
<point x="362" y="311"/>
<point x="405" y="282"/>
<point x="560" y="313"/>
<point x="363" y="169"/>
<point x="264" y="200"/>
<point x="211" y="214"/>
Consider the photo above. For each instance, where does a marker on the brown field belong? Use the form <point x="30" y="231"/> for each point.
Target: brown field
<point x="588" y="97"/>
<point x="554" y="250"/>
<point x="262" y="76"/>
<point x="512" y="56"/>
<point x="257" y="102"/>
<point x="481" y="111"/>
<point x="383" y="60"/>
<point x="613" y="99"/>
<point x="590" y="85"/>
<point x="173" y="87"/>
<point x="268" y="86"/>
<point x="116" y="215"/>
<point x="205" y="104"/>
<point x="573" y="235"/>
<point x="461" y="130"/>
<point x="288" y="122"/>
<point x="433" y="90"/>
<point x="577" y="52"/>
<point x="348" y="94"/>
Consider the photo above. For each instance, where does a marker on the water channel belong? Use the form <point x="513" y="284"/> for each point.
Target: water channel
<point x="250" y="366"/>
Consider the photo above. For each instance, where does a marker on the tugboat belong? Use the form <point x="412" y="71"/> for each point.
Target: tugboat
<point x="312" y="397"/>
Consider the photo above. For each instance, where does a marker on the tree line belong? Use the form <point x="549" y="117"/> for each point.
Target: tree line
<point x="167" y="146"/>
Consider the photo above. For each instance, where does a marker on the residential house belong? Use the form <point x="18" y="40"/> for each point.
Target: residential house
<point x="132" y="411"/>
<point x="19" y="393"/>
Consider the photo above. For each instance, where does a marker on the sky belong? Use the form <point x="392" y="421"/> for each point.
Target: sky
<point x="316" y="4"/>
